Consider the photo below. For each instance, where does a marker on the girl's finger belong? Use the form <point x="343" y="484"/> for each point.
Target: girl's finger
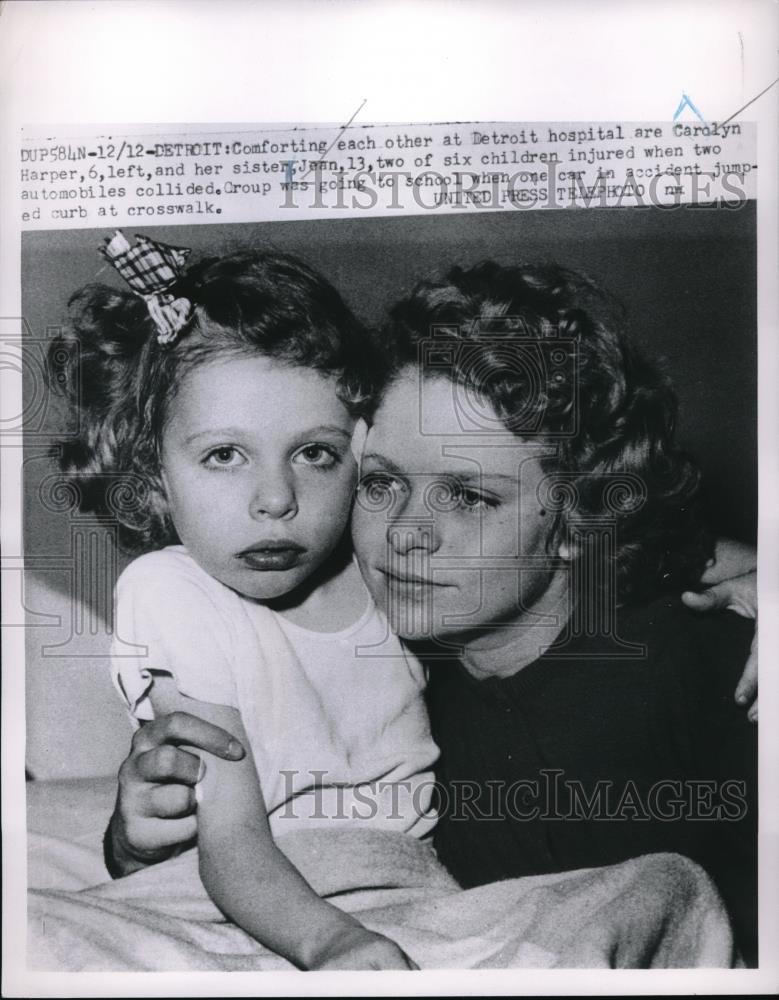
<point x="739" y="595"/>
<point x="171" y="801"/>
<point x="171" y="832"/>
<point x="746" y="690"/>
<point x="713" y="599"/>
<point x="168" y="763"/>
<point x="180" y="727"/>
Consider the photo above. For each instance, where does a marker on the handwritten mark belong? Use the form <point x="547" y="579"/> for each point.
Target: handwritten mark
<point x="741" y="55"/>
<point x="340" y="132"/>
<point x="687" y="103"/>
<point x="289" y="168"/>
<point x="745" y="106"/>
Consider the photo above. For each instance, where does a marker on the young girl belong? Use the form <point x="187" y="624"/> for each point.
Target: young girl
<point x="227" y="397"/>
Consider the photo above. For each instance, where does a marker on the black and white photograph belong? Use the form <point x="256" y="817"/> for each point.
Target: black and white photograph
<point x="390" y="549"/>
<point x="404" y="508"/>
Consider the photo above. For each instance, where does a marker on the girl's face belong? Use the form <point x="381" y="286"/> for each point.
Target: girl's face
<point x="448" y="526"/>
<point x="258" y="471"/>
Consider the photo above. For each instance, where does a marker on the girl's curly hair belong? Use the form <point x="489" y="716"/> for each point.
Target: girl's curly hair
<point x="119" y="381"/>
<point x="546" y="348"/>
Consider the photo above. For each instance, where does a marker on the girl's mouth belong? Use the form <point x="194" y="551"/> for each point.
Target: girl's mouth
<point x="411" y="580"/>
<point x="272" y="555"/>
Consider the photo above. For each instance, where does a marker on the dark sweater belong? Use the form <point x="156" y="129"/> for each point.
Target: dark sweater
<point x="591" y="738"/>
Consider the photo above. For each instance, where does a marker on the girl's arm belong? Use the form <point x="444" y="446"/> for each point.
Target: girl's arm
<point x="250" y="879"/>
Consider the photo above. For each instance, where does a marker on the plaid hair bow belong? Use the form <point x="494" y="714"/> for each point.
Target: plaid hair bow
<point x="151" y="269"/>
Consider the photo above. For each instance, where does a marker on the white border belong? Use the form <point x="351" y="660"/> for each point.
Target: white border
<point x="316" y="61"/>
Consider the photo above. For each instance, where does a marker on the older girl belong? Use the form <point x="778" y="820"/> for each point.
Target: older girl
<point x="527" y="522"/>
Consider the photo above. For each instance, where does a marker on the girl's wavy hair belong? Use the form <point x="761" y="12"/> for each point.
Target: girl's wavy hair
<point x="497" y="332"/>
<point x="120" y="382"/>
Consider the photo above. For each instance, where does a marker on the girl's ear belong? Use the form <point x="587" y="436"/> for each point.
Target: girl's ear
<point x="158" y="503"/>
<point x="162" y="484"/>
<point x="158" y="495"/>
<point x="568" y="548"/>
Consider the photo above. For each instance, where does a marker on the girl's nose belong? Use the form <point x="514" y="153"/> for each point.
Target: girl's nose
<point x="406" y="536"/>
<point x="274" y="497"/>
<point x="414" y="527"/>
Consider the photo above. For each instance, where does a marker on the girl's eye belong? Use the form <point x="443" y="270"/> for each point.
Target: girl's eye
<point x="226" y="456"/>
<point x="377" y="491"/>
<point x="319" y="456"/>
<point x="446" y="496"/>
<point x="470" y="500"/>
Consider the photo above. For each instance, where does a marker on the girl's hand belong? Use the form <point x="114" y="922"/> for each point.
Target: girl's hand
<point x="154" y="812"/>
<point x="362" y="950"/>
<point x="738" y="594"/>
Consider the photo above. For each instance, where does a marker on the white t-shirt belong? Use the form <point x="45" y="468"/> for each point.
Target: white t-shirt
<point x="336" y="721"/>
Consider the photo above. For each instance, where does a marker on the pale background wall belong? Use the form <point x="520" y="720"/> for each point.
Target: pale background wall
<point x="688" y="277"/>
